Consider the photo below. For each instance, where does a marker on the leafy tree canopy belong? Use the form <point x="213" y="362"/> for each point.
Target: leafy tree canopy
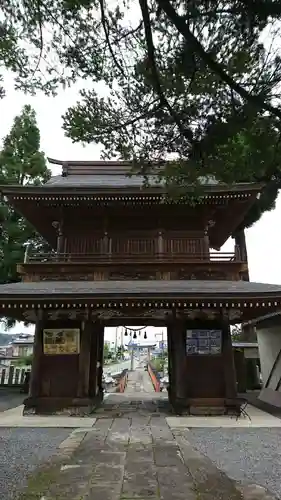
<point x="195" y="82"/>
<point x="21" y="162"/>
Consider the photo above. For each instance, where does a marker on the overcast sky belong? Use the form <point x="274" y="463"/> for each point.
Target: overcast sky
<point x="263" y="239"/>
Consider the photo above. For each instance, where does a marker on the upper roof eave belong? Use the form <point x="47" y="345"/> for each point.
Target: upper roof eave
<point x="45" y="190"/>
<point x="88" y="163"/>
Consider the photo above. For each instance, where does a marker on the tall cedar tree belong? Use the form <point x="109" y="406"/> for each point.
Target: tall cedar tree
<point x="192" y="81"/>
<point x="21" y="162"/>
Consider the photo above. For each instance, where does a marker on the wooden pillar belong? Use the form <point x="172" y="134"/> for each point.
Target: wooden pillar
<point x="160" y="243"/>
<point x="93" y="362"/>
<point x="84" y="359"/>
<point x="177" y="362"/>
<point x="240" y="369"/>
<point x="240" y="241"/>
<point x="35" y="378"/>
<point x="228" y="359"/>
<point x="206" y="249"/>
<point x="100" y="341"/>
<point x="241" y="249"/>
<point x="170" y="361"/>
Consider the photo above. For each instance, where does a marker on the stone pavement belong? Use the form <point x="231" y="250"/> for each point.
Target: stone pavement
<point x="133" y="458"/>
<point x="139" y="381"/>
<point x="136" y="456"/>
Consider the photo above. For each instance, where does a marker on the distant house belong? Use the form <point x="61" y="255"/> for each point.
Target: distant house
<point x="22" y="346"/>
<point x="5" y="356"/>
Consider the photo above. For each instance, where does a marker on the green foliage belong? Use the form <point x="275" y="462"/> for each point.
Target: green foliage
<point x="120" y="352"/>
<point x="21" y="163"/>
<point x="106" y="352"/>
<point x="236" y="333"/>
<point x="190" y="82"/>
<point x="158" y="364"/>
<point x="24" y="361"/>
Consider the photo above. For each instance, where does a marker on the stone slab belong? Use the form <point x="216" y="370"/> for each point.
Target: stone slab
<point x="176" y="483"/>
<point x="255" y="492"/>
<point x="136" y="458"/>
<point x="257" y="418"/>
<point x="15" y="418"/>
<point x="140" y="481"/>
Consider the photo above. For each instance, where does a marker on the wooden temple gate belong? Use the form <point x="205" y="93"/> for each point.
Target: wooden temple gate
<point x="128" y="255"/>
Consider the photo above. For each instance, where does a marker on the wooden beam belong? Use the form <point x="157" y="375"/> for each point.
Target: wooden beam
<point x="84" y="358"/>
<point x="177" y="361"/>
<point x="35" y="379"/>
<point x="228" y="359"/>
<point x="93" y="376"/>
<point x="100" y="334"/>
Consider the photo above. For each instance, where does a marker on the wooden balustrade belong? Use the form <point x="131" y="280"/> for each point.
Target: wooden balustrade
<point x="134" y="255"/>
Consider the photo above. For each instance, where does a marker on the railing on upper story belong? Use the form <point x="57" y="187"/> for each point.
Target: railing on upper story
<point x="140" y="248"/>
<point x="173" y="257"/>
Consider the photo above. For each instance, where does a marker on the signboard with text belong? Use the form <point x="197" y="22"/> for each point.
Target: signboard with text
<point x="203" y="342"/>
<point x="61" y="341"/>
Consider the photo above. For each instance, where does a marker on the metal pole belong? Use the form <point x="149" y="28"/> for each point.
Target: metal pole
<point x="116" y="339"/>
<point x="163" y="353"/>
<point x="132" y="358"/>
<point x="122" y="341"/>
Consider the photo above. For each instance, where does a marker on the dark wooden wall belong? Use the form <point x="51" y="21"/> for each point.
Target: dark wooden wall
<point x="143" y="231"/>
<point x="205" y="373"/>
<point x="134" y="242"/>
<point x="205" y="376"/>
<point x="59" y="373"/>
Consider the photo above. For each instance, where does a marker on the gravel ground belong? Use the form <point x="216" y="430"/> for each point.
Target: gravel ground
<point x="9" y="398"/>
<point x="21" y="451"/>
<point x="247" y="455"/>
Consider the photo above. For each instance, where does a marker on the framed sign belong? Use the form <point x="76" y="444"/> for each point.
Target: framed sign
<point x="203" y="342"/>
<point x="61" y="341"/>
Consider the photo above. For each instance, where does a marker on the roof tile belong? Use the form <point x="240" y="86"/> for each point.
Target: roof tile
<point x="161" y="288"/>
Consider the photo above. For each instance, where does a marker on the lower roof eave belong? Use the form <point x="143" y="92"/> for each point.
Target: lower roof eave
<point x="187" y="297"/>
<point x="132" y="289"/>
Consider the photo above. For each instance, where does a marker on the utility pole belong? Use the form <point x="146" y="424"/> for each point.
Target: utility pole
<point x="116" y="339"/>
<point x="162" y="349"/>
<point x="132" y="358"/>
<point x="122" y="342"/>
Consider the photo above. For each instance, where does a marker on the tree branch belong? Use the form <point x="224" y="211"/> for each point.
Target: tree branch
<point x="214" y="66"/>
<point x="154" y="71"/>
<point x="106" y="33"/>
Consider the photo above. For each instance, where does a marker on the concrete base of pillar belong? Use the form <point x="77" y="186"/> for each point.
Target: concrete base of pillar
<point x="61" y="406"/>
<point x="270" y="397"/>
<point x="205" y="406"/>
<point x="207" y="411"/>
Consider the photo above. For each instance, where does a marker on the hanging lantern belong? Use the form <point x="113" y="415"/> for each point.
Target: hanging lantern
<point x="126" y="333"/>
<point x="135" y="336"/>
<point x="145" y="336"/>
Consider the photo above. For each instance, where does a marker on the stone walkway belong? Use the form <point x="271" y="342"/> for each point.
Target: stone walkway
<point x="139" y="381"/>
<point x="139" y="397"/>
<point x="135" y="456"/>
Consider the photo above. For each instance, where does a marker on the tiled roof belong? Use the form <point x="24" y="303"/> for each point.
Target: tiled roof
<point x="113" y="180"/>
<point x="161" y="288"/>
<point x="101" y="180"/>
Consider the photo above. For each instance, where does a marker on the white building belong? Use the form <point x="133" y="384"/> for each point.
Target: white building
<point x="22" y="346"/>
